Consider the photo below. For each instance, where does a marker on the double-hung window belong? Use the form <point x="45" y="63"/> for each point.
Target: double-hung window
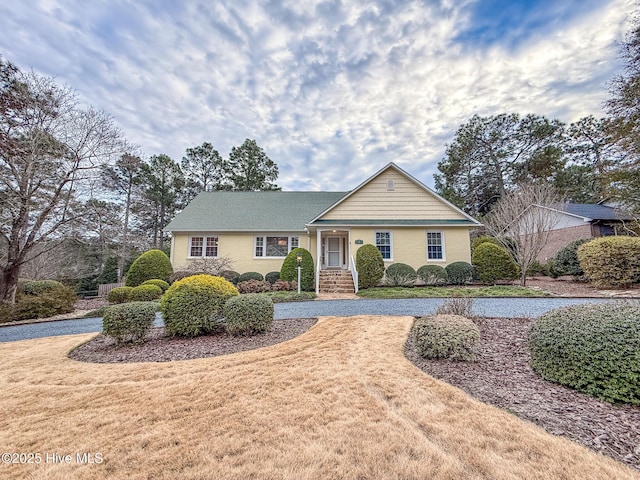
<point x="275" y="246"/>
<point x="383" y="243"/>
<point x="201" y="246"/>
<point x="435" y="245"/>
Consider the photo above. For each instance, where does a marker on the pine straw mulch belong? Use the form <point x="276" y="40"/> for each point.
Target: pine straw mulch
<point x="502" y="377"/>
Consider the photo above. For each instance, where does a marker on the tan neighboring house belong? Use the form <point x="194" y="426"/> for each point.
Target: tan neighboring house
<point x="407" y="221"/>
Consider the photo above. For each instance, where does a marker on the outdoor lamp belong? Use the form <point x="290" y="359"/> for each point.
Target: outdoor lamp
<point x="299" y="259"/>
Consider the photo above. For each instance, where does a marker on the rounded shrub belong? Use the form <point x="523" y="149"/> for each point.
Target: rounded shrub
<point x="566" y="262"/>
<point x="592" y="348"/>
<point x="53" y="299"/>
<point x="120" y="294"/>
<point x="194" y="305"/>
<point x="476" y="242"/>
<point x="370" y="266"/>
<point x="231" y="276"/>
<point x="250" y="276"/>
<point x="493" y="263"/>
<point x="129" y="321"/>
<point x="272" y="277"/>
<point x="36" y="287"/>
<point x="446" y="336"/>
<point x="149" y="265"/>
<point x="611" y="261"/>
<point x="289" y="270"/>
<point x="433" y="275"/>
<point x="253" y="286"/>
<point x="145" y="293"/>
<point x="248" y="314"/>
<point x="400" y="275"/>
<point x="459" y="273"/>
<point x="158" y="283"/>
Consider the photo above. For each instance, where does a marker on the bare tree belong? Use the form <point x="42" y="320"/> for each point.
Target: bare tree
<point x="520" y="226"/>
<point x="50" y="149"/>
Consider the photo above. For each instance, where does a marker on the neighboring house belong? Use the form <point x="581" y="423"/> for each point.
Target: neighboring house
<point x="407" y="221"/>
<point x="575" y="221"/>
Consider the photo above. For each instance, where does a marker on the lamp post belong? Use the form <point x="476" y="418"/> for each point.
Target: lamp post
<point x="299" y="259"/>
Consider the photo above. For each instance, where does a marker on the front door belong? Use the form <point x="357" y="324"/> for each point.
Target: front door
<point x="334" y="252"/>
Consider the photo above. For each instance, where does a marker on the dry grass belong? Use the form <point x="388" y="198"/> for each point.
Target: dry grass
<point x="340" y="401"/>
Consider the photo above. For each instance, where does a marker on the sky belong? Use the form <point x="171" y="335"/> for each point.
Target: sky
<point x="331" y="90"/>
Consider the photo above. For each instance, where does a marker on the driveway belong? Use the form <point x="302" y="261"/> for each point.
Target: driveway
<point x="488" y="307"/>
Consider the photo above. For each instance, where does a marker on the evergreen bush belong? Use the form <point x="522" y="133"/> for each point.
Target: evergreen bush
<point x="231" y="276"/>
<point x="446" y="336"/>
<point x="493" y="263"/>
<point x="592" y="348"/>
<point x="37" y="287"/>
<point x="459" y="273"/>
<point x="433" y="275"/>
<point x="566" y="262"/>
<point x="249" y="276"/>
<point x="120" y="294"/>
<point x="248" y="314"/>
<point x="149" y="265"/>
<point x="158" y="283"/>
<point x="370" y="266"/>
<point x="289" y="270"/>
<point x="272" y="277"/>
<point x="145" y="293"/>
<point x="400" y="275"/>
<point x="476" y="242"/>
<point x="129" y="321"/>
<point x="611" y="261"/>
<point x="52" y="299"/>
<point x="194" y="305"/>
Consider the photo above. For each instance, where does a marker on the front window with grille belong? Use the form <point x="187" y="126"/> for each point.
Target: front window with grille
<point x="435" y="249"/>
<point x="203" y="246"/>
<point x="383" y="243"/>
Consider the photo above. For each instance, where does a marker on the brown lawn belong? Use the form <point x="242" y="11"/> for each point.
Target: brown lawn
<point x="340" y="401"/>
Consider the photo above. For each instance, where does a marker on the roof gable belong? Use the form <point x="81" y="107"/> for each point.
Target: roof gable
<point x="590" y="212"/>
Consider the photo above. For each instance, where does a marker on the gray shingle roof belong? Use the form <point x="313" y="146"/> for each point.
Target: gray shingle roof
<point x="593" y="211"/>
<point x="252" y="211"/>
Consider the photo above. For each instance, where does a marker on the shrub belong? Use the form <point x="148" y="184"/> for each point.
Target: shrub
<point x="536" y="268"/>
<point x="145" y="293"/>
<point x="433" y="275"/>
<point x="446" y="336"/>
<point x="462" y="306"/>
<point x="194" y="305"/>
<point x="400" y="275"/>
<point x="250" y="276"/>
<point x="120" y="294"/>
<point x="289" y="270"/>
<point x="180" y="274"/>
<point x="52" y="300"/>
<point x="566" y="262"/>
<point x="476" y="242"/>
<point x="493" y="263"/>
<point x="149" y="265"/>
<point x="253" y="286"/>
<point x="36" y="287"/>
<point x="284" y="286"/>
<point x="231" y="276"/>
<point x="370" y="266"/>
<point x="611" y="261"/>
<point x="592" y="348"/>
<point x="459" y="273"/>
<point x="272" y="277"/>
<point x="158" y="283"/>
<point x="129" y="321"/>
<point x="248" y="314"/>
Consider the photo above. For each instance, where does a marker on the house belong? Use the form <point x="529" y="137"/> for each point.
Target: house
<point x="406" y="220"/>
<point x="575" y="221"/>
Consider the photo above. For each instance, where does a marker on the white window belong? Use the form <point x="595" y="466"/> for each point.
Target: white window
<point x="203" y="247"/>
<point x="435" y="245"/>
<point x="276" y="246"/>
<point x="383" y="243"/>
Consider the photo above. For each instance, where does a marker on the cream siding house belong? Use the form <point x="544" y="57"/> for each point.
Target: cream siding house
<point x="407" y="221"/>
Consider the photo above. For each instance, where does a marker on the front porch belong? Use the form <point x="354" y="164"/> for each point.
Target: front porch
<point x="335" y="271"/>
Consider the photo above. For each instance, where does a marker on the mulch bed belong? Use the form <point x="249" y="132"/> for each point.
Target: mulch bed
<point x="160" y="348"/>
<point x="502" y="377"/>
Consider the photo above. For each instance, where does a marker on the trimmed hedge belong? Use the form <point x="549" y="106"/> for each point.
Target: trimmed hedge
<point x="476" y="242"/>
<point x="433" y="275"/>
<point x="230" y="276"/>
<point x="194" y="305"/>
<point x="253" y="286"/>
<point x="120" y="294"/>
<point x="370" y="266"/>
<point x="149" y="265"/>
<point x="459" y="273"/>
<point x="52" y="299"/>
<point x="129" y="321"/>
<point x="400" y="275"/>
<point x="36" y="287"/>
<point x="566" y="262"/>
<point x="158" y="283"/>
<point x="592" y="348"/>
<point x="249" y="276"/>
<point x="145" y="293"/>
<point x="289" y="270"/>
<point x="248" y="314"/>
<point x="493" y="263"/>
<point x="446" y="336"/>
<point x="611" y="261"/>
<point x="272" y="277"/>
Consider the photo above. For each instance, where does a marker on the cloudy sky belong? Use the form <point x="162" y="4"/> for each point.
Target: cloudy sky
<point x="331" y="90"/>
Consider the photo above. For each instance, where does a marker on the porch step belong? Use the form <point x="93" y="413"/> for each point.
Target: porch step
<point x="336" y="281"/>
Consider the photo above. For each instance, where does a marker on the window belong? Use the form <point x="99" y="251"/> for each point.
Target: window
<point x="268" y="247"/>
<point x="203" y="247"/>
<point x="383" y="242"/>
<point x="435" y="246"/>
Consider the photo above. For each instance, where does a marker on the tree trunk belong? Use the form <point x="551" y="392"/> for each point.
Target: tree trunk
<point x="9" y="283"/>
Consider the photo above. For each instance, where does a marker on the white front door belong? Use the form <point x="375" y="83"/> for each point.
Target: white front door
<point x="334" y="252"/>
